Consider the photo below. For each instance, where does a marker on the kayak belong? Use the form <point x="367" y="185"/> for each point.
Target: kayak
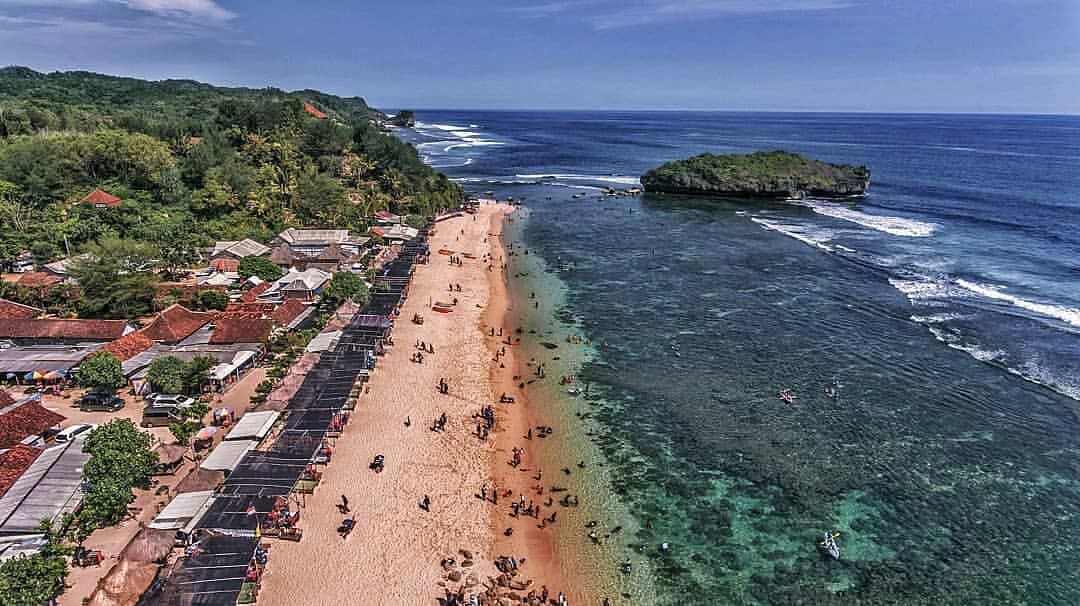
<point x="445" y="251"/>
<point x="442" y="310"/>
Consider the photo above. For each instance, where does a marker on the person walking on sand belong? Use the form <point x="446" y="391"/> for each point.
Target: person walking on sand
<point x="426" y="503"/>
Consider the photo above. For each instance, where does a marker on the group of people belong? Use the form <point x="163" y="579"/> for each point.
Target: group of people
<point x="487" y="416"/>
<point x="440" y="423"/>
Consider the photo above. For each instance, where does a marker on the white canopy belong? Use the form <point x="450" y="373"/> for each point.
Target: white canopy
<point x="227" y="455"/>
<point x="182" y="510"/>
<point x="254" y="425"/>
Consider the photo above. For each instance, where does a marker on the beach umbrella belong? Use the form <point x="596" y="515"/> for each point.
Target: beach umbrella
<point x="50" y="376"/>
<point x="206" y="433"/>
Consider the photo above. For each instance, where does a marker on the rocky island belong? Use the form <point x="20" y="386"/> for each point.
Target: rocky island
<point x="776" y="174"/>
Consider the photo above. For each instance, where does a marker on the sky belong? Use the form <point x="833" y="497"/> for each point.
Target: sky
<point x="769" y="55"/>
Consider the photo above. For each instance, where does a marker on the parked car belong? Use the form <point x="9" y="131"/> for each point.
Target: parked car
<point x="69" y="433"/>
<point x="169" y="399"/>
<point x="100" y="401"/>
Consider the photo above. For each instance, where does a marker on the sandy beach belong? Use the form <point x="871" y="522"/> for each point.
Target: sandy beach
<point x="394" y="554"/>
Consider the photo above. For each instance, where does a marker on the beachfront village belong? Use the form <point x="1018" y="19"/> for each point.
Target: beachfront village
<point x="207" y="388"/>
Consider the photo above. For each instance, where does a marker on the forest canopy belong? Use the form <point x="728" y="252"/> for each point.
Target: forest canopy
<point x="192" y="163"/>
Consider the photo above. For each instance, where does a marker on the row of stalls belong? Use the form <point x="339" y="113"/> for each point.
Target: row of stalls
<point x="266" y="485"/>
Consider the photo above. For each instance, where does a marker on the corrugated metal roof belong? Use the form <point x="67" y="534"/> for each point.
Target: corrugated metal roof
<point x="253" y="425"/>
<point x="227" y="455"/>
<point x="51" y="487"/>
<point x="181" y="510"/>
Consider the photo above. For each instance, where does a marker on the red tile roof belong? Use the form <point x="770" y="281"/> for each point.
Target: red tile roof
<point x="5" y="398"/>
<point x="53" y="328"/>
<point x="10" y="310"/>
<point x="130" y="345"/>
<point x="229" y="328"/>
<point x="309" y="108"/>
<point x="14" y="462"/>
<point x="288" y="311"/>
<point x="38" y="278"/>
<point x="224" y="263"/>
<point x="26" y="419"/>
<point x="97" y="197"/>
<point x="248" y="307"/>
<point x="176" y="323"/>
<point x="251" y="295"/>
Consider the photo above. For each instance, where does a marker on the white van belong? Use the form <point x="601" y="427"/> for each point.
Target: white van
<point x="70" y="433"/>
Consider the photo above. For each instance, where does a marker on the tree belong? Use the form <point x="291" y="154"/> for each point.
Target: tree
<point x="102" y="369"/>
<point x="116" y="277"/>
<point x="120" y="459"/>
<point x="345" y="286"/>
<point x="258" y="266"/>
<point x="166" y="374"/>
<point x="44" y="252"/>
<point x="196" y="373"/>
<point x="213" y="299"/>
<point x="320" y="198"/>
<point x="36" y="578"/>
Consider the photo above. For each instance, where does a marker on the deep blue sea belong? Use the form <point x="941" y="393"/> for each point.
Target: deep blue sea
<point x="946" y="303"/>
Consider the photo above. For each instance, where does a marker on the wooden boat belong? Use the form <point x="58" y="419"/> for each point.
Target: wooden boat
<point x="468" y="255"/>
<point x="445" y="251"/>
<point x="444" y="304"/>
<point x="442" y="310"/>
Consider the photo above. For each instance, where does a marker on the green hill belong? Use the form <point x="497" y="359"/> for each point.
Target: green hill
<point x="776" y="174"/>
<point x="192" y="162"/>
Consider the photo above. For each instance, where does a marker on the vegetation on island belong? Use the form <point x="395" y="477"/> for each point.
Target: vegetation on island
<point x="776" y="174"/>
<point x="404" y="118"/>
<point x="191" y="163"/>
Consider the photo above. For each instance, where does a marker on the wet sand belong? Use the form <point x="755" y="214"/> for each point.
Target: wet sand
<point x="393" y="555"/>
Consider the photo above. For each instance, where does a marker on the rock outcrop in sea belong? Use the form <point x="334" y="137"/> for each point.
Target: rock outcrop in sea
<point x="776" y="174"/>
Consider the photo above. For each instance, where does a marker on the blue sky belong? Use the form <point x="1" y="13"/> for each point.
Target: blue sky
<point x="827" y="55"/>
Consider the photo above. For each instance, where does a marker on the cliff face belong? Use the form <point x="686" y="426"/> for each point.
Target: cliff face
<point x="775" y="174"/>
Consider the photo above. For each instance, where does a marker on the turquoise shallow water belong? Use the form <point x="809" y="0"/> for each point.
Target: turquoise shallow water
<point x="951" y="478"/>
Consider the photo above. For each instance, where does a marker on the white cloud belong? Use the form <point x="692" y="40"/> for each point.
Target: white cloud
<point x="207" y="9"/>
<point x="613" y="14"/>
<point x="196" y="9"/>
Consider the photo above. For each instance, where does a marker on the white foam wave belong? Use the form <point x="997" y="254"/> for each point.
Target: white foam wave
<point x="1032" y="371"/>
<point x="1068" y="315"/>
<point x="617" y="179"/>
<point x="813" y="238"/>
<point x="938" y="318"/>
<point x="926" y="290"/>
<point x="897" y="226"/>
<point x="445" y="127"/>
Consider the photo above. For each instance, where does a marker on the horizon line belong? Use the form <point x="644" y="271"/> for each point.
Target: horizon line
<point x="737" y="111"/>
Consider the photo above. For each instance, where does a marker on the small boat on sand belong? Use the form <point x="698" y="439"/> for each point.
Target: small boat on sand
<point x="441" y="309"/>
<point x="573" y="391"/>
<point x="445" y="251"/>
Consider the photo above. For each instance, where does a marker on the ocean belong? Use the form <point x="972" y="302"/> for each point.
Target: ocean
<point x="945" y="304"/>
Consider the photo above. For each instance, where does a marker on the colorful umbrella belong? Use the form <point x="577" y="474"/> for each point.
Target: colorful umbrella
<point x="50" y="376"/>
<point x="206" y="433"/>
